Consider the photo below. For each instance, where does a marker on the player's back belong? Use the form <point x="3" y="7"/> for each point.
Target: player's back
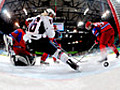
<point x="103" y="26"/>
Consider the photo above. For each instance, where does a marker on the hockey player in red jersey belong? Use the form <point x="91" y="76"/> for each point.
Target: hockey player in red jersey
<point x="19" y="45"/>
<point x="18" y="42"/>
<point x="105" y="35"/>
<point x="39" y="35"/>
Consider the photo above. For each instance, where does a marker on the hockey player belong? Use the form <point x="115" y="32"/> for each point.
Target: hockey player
<point x="17" y="38"/>
<point x="105" y="36"/>
<point x="58" y="35"/>
<point x="39" y="35"/>
<point x="19" y="46"/>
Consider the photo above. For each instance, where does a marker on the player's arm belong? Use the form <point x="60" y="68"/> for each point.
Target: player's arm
<point x="48" y="27"/>
<point x="14" y="34"/>
<point x="96" y="31"/>
<point x="29" y="20"/>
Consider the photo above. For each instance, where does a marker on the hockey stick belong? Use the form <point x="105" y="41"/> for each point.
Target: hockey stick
<point x="86" y="53"/>
<point x="78" y="60"/>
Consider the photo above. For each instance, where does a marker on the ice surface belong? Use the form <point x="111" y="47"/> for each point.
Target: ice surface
<point x="93" y="75"/>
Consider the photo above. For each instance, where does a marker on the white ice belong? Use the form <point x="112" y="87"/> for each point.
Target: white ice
<point x="92" y="75"/>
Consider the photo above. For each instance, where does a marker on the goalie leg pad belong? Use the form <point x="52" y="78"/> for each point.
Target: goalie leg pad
<point x="20" y="61"/>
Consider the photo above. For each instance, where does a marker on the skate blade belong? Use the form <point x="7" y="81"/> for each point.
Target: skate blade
<point x="78" y="69"/>
<point x="42" y="64"/>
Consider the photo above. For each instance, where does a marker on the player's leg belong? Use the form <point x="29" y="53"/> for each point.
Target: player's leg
<point x="113" y="47"/>
<point x="43" y="58"/>
<point x="57" y="53"/>
<point x="45" y="45"/>
<point x="55" y="60"/>
<point x="104" y="38"/>
<point x="111" y="44"/>
<point x="65" y="58"/>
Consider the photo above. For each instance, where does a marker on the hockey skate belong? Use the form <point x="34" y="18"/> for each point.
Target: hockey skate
<point x="72" y="64"/>
<point x="32" y="60"/>
<point x="43" y="62"/>
<point x="117" y="55"/>
<point x="56" y="62"/>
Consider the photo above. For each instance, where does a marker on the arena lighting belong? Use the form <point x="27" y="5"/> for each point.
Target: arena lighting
<point x="76" y="10"/>
<point x="66" y="35"/>
<point x="17" y="24"/>
<point x="36" y="10"/>
<point x="86" y="10"/>
<point x="80" y="32"/>
<point x="81" y="36"/>
<point x="75" y="31"/>
<point x="25" y="11"/>
<point x="69" y="43"/>
<point x="6" y="13"/>
<point x="68" y="30"/>
<point x="80" y="23"/>
<point x="105" y="14"/>
<point x="73" y="42"/>
<point x="76" y="42"/>
<point x="70" y="36"/>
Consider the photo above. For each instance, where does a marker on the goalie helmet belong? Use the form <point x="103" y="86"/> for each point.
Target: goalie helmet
<point x="50" y="12"/>
<point x="88" y="25"/>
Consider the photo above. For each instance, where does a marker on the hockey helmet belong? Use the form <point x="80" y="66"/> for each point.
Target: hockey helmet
<point x="87" y="25"/>
<point x="51" y="12"/>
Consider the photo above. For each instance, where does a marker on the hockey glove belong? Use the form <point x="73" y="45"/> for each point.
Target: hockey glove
<point x="96" y="42"/>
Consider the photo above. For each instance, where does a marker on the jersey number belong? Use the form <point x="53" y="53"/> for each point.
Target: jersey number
<point x="33" y="27"/>
<point x="34" y="24"/>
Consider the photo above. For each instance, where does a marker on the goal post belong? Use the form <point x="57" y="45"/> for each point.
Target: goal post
<point x="115" y="17"/>
<point x="1" y="4"/>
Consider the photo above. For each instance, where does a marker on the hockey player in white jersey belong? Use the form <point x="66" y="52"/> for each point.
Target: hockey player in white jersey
<point x="39" y="35"/>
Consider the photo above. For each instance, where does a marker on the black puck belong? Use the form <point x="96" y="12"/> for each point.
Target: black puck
<point x="106" y="64"/>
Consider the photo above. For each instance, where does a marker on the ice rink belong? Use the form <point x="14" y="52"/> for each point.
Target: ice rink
<point x="92" y="75"/>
